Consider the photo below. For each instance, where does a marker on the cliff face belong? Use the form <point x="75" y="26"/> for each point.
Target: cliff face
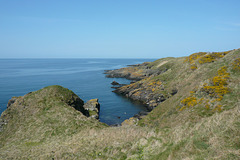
<point x="195" y="115"/>
<point x="151" y="82"/>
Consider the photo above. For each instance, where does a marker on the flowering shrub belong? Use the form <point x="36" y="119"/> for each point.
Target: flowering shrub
<point x="218" y="87"/>
<point x="218" y="108"/>
<point x="193" y="67"/>
<point x="212" y="57"/>
<point x="204" y="57"/>
<point x="189" y="102"/>
<point x="191" y="59"/>
<point x="215" y="89"/>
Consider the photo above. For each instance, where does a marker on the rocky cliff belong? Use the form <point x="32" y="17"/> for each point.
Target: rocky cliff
<point x="160" y="80"/>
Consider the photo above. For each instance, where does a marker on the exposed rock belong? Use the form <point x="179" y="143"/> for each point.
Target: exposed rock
<point x="130" y="122"/>
<point x="11" y="101"/>
<point x="140" y="114"/>
<point x="115" y="125"/>
<point x="143" y="85"/>
<point x="135" y="72"/>
<point x="174" y="91"/>
<point x="93" y="108"/>
<point x="118" y="86"/>
<point x="141" y="92"/>
<point x="130" y="73"/>
<point x="2" y="123"/>
<point x="133" y="81"/>
<point x="134" y="65"/>
<point x="151" y="92"/>
<point x="115" y="83"/>
<point x="161" y="98"/>
<point x="152" y="104"/>
<point x="77" y="103"/>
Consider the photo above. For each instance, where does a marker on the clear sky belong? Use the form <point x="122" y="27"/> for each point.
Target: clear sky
<point x="117" y="28"/>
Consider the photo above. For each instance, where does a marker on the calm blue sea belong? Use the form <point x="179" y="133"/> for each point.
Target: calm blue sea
<point x="83" y="76"/>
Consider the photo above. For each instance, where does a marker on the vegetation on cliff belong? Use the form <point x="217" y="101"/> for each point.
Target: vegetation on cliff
<point x="205" y="101"/>
<point x="195" y="115"/>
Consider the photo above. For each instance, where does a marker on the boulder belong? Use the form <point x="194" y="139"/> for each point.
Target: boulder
<point x="140" y="114"/>
<point x="174" y="91"/>
<point x="161" y="98"/>
<point x="152" y="104"/>
<point x="92" y="107"/>
<point x="115" y="83"/>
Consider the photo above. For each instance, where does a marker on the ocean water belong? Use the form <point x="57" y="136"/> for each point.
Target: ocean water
<point x="83" y="76"/>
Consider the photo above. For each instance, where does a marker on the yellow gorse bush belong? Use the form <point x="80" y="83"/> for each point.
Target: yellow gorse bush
<point x="212" y="57"/>
<point x="189" y="101"/>
<point x="204" y="57"/>
<point x="219" y="82"/>
<point x="193" y="67"/>
<point x="193" y="57"/>
<point x="215" y="89"/>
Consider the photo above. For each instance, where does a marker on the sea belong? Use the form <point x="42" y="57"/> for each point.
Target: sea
<point x="85" y="77"/>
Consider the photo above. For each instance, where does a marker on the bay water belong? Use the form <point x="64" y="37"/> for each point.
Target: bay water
<point x="85" y="77"/>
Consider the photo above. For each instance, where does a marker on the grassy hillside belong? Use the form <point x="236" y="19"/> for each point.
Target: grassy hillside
<point x="196" y="115"/>
<point x="202" y="120"/>
<point x="209" y="88"/>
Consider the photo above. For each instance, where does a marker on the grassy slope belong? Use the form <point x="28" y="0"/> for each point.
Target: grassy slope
<point x="197" y="132"/>
<point x="55" y="130"/>
<point x="39" y="118"/>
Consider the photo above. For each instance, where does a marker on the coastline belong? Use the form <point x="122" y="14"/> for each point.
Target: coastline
<point x="141" y="88"/>
<point x="190" y="123"/>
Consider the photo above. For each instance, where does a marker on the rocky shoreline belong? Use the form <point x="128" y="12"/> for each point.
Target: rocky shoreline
<point x="140" y="89"/>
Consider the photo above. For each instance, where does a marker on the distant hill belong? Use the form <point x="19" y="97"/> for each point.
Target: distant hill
<point x="195" y="114"/>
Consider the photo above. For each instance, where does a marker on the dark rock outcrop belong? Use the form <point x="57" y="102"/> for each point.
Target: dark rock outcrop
<point x="11" y="101"/>
<point x="140" y="92"/>
<point x="77" y="103"/>
<point x="140" y="114"/>
<point x="174" y="91"/>
<point x="118" y="86"/>
<point x="114" y="83"/>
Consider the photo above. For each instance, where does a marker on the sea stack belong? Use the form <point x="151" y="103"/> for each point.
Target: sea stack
<point x="93" y="108"/>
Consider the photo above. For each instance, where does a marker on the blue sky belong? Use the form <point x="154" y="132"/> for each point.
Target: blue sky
<point x="117" y="28"/>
